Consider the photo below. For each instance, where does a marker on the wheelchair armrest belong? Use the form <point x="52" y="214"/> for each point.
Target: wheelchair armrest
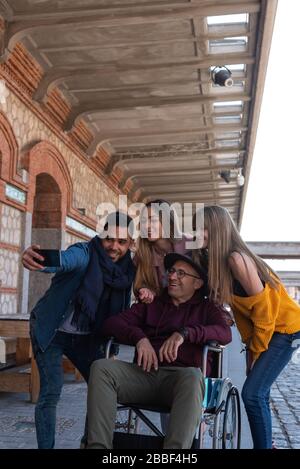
<point x="108" y="347"/>
<point x="212" y="342"/>
<point x="212" y="346"/>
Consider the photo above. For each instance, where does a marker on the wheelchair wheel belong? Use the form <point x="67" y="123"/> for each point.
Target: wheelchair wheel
<point x="231" y="438"/>
<point x="217" y="430"/>
<point x="226" y="432"/>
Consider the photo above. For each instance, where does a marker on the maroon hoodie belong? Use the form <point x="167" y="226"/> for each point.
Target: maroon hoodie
<point x="157" y="321"/>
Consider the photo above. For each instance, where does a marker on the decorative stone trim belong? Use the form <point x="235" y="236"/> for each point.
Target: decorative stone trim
<point x="72" y="236"/>
<point x="12" y="203"/>
<point x="9" y="154"/>
<point x="128" y="187"/>
<point x="57" y="106"/>
<point x="116" y="176"/>
<point x="8" y="290"/>
<point x="16" y="194"/>
<point x="82" y="135"/>
<point x="102" y="158"/>
<point x="10" y="247"/>
<point x="24" y="68"/>
<point x="79" y="227"/>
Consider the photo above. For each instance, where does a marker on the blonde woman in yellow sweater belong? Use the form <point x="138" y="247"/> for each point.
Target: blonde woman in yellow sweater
<point x="267" y="318"/>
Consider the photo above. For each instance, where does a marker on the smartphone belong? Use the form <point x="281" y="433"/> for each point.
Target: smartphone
<point x="52" y="257"/>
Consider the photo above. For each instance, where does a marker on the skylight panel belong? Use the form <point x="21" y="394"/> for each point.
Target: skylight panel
<point x="228" y="19"/>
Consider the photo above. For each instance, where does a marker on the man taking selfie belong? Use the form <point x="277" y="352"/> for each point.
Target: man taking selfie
<point x="92" y="284"/>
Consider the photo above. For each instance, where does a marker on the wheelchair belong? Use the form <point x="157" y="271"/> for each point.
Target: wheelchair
<point x="220" y="426"/>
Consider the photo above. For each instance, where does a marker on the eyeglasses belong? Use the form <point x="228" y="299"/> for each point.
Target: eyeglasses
<point x="180" y="273"/>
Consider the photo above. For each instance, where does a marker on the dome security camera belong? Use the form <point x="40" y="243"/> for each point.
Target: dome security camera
<point x="225" y="175"/>
<point x="222" y="76"/>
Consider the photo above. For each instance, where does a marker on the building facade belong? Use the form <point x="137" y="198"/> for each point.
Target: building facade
<point x="49" y="192"/>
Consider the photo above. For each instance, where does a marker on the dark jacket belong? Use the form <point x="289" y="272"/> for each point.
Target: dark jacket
<point x="58" y="302"/>
<point x="157" y="321"/>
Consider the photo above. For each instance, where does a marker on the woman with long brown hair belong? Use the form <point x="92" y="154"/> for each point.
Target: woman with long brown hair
<point x="267" y="318"/>
<point x="160" y="235"/>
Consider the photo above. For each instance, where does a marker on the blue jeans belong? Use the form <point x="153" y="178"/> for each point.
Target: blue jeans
<point x="81" y="352"/>
<point x="256" y="390"/>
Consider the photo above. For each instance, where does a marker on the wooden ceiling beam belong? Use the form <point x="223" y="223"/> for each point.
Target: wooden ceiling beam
<point x="190" y="188"/>
<point x="174" y="156"/>
<point x="171" y="140"/>
<point x="141" y="169"/>
<point x="83" y="109"/>
<point x="101" y="120"/>
<point x="57" y="75"/>
<point x="217" y="128"/>
<point x="151" y="86"/>
<point x="127" y="154"/>
<point x="234" y="31"/>
<point x="225" y="201"/>
<point x="21" y="26"/>
<point x="116" y="15"/>
<point x="179" y="172"/>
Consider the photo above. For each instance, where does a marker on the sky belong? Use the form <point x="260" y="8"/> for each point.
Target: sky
<point x="272" y="209"/>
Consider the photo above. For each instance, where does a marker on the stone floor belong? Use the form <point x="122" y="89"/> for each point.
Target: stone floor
<point x="285" y="405"/>
<point x="17" y="428"/>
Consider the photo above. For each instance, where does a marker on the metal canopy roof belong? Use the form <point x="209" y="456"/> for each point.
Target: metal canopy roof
<point x="138" y="74"/>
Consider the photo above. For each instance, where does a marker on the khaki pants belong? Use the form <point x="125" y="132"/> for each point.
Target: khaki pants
<point x="110" y="382"/>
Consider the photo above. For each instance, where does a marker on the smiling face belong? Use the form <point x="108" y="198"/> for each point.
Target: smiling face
<point x="117" y="242"/>
<point x="182" y="289"/>
<point x="202" y="237"/>
<point x="151" y="227"/>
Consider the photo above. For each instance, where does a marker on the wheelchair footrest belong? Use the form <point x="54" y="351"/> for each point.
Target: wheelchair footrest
<point x="134" y="441"/>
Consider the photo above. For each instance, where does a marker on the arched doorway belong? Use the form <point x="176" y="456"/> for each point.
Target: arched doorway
<point x="47" y="229"/>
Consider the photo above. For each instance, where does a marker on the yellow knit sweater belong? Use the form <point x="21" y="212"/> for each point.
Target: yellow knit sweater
<point x="259" y="316"/>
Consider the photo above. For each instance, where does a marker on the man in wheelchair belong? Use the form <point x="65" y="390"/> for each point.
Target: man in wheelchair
<point x="169" y="335"/>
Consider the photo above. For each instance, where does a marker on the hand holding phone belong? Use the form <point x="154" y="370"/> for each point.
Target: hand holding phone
<point x="34" y="258"/>
<point x="51" y="257"/>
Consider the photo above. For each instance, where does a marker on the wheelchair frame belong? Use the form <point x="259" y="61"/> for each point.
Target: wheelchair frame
<point x="221" y="412"/>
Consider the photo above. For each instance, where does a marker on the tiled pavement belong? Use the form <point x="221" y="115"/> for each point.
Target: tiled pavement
<point x="285" y="406"/>
<point x="17" y="414"/>
<point x="17" y="429"/>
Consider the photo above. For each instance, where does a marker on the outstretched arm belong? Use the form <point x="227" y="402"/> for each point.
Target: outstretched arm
<point x="75" y="257"/>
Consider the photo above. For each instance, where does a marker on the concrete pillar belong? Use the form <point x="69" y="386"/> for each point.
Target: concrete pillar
<point x="24" y="273"/>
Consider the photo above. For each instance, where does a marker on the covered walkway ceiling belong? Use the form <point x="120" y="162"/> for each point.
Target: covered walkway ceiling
<point x="137" y="73"/>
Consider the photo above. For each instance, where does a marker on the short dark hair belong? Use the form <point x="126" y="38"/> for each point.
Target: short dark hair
<point x="118" y="218"/>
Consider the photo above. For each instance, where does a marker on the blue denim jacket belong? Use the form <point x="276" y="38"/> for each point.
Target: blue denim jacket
<point x="57" y="303"/>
